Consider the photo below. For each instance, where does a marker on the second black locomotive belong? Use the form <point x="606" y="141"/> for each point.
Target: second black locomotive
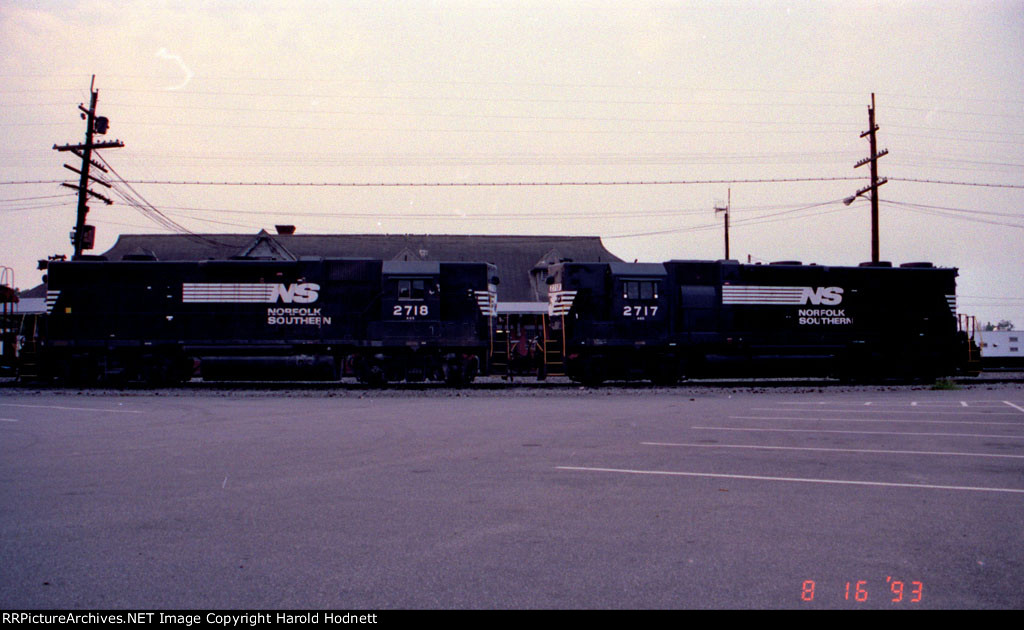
<point x="706" y="318"/>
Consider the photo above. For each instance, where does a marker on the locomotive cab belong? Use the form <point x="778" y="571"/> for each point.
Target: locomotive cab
<point x="434" y="322"/>
<point x="615" y="321"/>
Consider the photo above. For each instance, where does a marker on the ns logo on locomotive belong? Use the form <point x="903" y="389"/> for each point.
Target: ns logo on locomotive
<point x="304" y="293"/>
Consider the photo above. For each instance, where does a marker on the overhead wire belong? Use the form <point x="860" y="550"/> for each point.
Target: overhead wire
<point x="740" y="223"/>
<point x="125" y="191"/>
<point x="950" y="214"/>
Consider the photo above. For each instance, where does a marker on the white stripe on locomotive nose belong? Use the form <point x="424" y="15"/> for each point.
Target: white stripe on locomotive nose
<point x="487" y="301"/>
<point x="560" y="302"/>
<point x="51" y="300"/>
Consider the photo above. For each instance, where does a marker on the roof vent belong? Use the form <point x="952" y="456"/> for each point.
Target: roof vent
<point x="917" y="265"/>
<point x="881" y="263"/>
<point x="785" y="262"/>
<point x="285" y="229"/>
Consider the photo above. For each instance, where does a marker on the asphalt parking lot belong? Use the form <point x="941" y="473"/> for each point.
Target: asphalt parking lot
<point x="887" y="498"/>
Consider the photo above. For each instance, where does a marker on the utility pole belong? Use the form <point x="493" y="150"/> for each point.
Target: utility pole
<point x="83" y="235"/>
<point x="872" y="159"/>
<point x="726" y="211"/>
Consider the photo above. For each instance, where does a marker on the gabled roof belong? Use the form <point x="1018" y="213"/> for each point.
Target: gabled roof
<point x="515" y="256"/>
<point x="265" y="247"/>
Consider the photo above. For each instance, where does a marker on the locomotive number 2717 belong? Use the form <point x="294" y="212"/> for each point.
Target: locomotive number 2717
<point x="410" y="310"/>
<point x="639" y="312"/>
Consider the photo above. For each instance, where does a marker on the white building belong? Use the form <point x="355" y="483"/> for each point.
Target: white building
<point x="1002" y="347"/>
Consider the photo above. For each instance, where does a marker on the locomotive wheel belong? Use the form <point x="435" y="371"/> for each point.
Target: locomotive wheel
<point x="666" y="372"/>
<point x="373" y="376"/>
<point x="162" y="370"/>
<point x="458" y="371"/>
<point x="79" y="371"/>
<point x="369" y="372"/>
<point x="593" y="373"/>
<point x="454" y="374"/>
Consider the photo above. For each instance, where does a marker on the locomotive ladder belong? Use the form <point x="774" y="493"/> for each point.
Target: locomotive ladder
<point x="554" y="349"/>
<point x="500" y="348"/>
<point x="968" y="324"/>
<point x="28" y="355"/>
<point x="8" y="334"/>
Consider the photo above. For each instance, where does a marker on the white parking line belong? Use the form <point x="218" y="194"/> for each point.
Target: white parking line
<point x="791" y="479"/>
<point x="917" y="412"/>
<point x="69" y="408"/>
<point x="7" y="420"/>
<point x="1017" y="407"/>
<point x="900" y="420"/>
<point x="835" y="450"/>
<point x="1010" y="437"/>
<point x="921" y="403"/>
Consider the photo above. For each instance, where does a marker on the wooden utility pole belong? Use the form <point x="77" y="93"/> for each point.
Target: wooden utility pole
<point x="726" y="211"/>
<point x="83" y="235"/>
<point x="872" y="159"/>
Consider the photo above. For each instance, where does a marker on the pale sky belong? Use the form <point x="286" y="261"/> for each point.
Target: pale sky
<point x="418" y="92"/>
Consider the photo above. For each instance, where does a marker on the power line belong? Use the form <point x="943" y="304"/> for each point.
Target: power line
<point x="504" y="216"/>
<point x="493" y="184"/>
<point x="742" y="222"/>
<point x="263" y="79"/>
<point x="935" y="181"/>
<point x="959" y="140"/>
<point x="930" y="207"/>
<point x="953" y="215"/>
<point x="136" y="200"/>
<point x="326" y="112"/>
<point x="519" y="183"/>
<point x="37" y="197"/>
<point x="35" y="207"/>
<point x="959" y="113"/>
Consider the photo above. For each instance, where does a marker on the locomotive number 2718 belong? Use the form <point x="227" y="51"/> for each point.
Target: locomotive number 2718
<point x="410" y="310"/>
<point x="639" y="311"/>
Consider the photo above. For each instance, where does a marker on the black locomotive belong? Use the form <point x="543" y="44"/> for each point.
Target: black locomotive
<point x="382" y="321"/>
<point x="701" y="318"/>
<point x="316" y="318"/>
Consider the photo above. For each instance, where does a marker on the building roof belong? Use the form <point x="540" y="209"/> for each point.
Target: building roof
<point x="515" y="256"/>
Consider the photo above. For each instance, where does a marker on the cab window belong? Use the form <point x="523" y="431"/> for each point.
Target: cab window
<point x="411" y="289"/>
<point x="639" y="290"/>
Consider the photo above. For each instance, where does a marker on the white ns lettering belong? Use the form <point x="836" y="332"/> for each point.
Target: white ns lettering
<point x="822" y="295"/>
<point x="304" y="293"/>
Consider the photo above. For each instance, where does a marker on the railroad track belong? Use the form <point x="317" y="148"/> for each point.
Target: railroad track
<point x="497" y="384"/>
